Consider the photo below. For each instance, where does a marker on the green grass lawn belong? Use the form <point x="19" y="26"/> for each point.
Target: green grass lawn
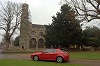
<point x="9" y="62"/>
<point x="73" y="55"/>
<point x="85" y="55"/>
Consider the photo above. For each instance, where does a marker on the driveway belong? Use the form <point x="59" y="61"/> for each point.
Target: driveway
<point x="71" y="61"/>
<point x="15" y="56"/>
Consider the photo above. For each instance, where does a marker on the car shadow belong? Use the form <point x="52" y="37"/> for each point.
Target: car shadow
<point x="51" y="61"/>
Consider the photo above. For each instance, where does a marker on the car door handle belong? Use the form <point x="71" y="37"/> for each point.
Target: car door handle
<point x="51" y="53"/>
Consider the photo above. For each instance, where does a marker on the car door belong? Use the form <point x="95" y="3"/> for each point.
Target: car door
<point x="42" y="56"/>
<point x="48" y="54"/>
<point x="45" y="55"/>
<point x="53" y="54"/>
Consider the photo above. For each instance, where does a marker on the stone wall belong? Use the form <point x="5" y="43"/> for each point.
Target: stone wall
<point x="31" y="35"/>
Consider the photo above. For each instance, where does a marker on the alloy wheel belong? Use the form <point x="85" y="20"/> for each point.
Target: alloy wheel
<point x="36" y="58"/>
<point x="59" y="59"/>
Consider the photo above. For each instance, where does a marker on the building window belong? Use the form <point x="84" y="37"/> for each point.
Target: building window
<point x="41" y="33"/>
<point x="33" y="32"/>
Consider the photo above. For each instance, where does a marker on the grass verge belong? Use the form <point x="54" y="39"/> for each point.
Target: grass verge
<point x="8" y="62"/>
<point x="85" y="55"/>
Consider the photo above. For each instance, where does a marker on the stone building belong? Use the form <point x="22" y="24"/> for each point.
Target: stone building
<point x="31" y="35"/>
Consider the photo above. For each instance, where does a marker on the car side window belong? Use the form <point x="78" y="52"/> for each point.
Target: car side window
<point x="47" y="51"/>
<point x="50" y="50"/>
<point x="54" y="50"/>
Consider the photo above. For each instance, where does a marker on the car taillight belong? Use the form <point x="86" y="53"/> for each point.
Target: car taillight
<point x="65" y="54"/>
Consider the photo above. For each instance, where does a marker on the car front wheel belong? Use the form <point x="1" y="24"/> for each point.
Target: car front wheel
<point x="35" y="58"/>
<point x="59" y="59"/>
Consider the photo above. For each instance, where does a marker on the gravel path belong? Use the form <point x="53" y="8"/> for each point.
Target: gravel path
<point x="85" y="62"/>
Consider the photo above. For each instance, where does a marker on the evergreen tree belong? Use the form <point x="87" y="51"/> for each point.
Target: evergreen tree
<point x="92" y="34"/>
<point x="65" y="28"/>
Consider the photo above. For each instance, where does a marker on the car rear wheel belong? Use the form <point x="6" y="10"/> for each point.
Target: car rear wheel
<point x="35" y="58"/>
<point x="59" y="59"/>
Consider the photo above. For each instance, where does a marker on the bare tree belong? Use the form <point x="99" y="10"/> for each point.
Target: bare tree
<point x="10" y="17"/>
<point x="86" y="9"/>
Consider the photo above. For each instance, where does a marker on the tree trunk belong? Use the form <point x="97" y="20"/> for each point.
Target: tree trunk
<point x="81" y="47"/>
<point x="7" y="44"/>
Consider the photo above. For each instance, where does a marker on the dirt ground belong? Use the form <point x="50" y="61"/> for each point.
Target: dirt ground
<point x="71" y="61"/>
<point x="85" y="62"/>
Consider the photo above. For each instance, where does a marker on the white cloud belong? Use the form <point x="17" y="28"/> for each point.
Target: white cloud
<point x="41" y="10"/>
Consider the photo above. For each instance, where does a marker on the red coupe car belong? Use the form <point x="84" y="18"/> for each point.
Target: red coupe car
<point x="57" y="55"/>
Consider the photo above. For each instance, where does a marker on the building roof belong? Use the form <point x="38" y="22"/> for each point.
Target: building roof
<point x="38" y="26"/>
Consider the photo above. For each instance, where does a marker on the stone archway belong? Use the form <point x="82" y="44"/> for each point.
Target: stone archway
<point x="41" y="43"/>
<point x="33" y="43"/>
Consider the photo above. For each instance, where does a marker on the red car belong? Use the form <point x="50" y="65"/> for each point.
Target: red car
<point x="57" y="55"/>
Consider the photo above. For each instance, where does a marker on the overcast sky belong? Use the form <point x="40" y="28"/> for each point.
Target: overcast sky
<point x="41" y="10"/>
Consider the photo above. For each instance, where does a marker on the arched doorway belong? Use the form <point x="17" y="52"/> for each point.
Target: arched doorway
<point x="41" y="43"/>
<point x="33" y="43"/>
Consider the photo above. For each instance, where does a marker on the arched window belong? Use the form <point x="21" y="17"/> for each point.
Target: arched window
<point x="33" y="43"/>
<point x="33" y="32"/>
<point x="41" y="43"/>
<point x="41" y="33"/>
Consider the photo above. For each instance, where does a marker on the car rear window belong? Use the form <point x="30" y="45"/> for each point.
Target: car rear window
<point x="63" y="50"/>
